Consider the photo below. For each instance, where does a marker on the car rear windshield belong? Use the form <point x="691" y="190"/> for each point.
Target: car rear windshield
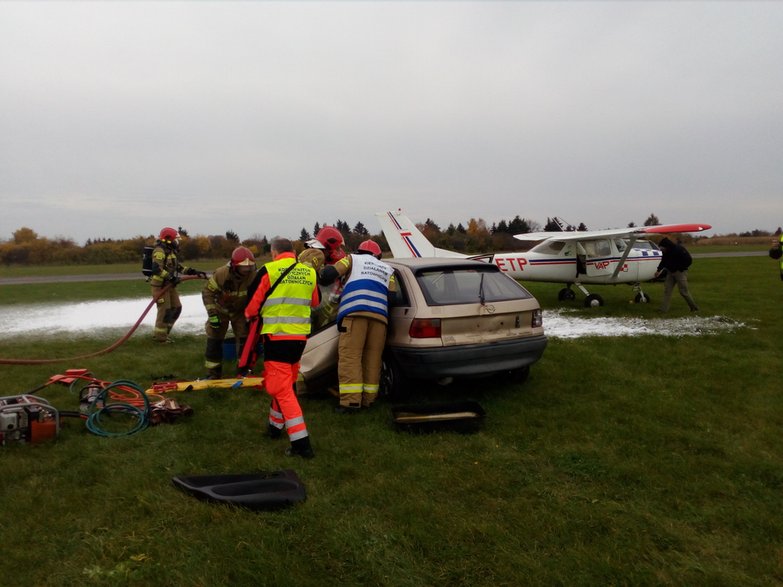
<point x="468" y="285"/>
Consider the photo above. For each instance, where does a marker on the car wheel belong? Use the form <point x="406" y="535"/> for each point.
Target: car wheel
<point x="565" y="294"/>
<point x="593" y="301"/>
<point x="394" y="384"/>
<point x="519" y="375"/>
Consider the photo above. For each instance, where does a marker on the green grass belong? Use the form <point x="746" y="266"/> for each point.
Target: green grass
<point x="639" y="460"/>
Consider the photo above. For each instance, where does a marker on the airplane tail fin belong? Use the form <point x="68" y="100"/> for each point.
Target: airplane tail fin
<point x="405" y="240"/>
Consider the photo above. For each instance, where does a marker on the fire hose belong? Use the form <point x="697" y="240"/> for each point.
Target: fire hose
<point x="108" y="349"/>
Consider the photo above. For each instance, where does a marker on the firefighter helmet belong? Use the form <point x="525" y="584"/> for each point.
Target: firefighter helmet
<point x="371" y="247"/>
<point x="330" y="238"/>
<point x="242" y="257"/>
<point x="168" y="234"/>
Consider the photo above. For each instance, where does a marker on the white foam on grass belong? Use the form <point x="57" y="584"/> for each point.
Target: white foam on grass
<point x="88" y="318"/>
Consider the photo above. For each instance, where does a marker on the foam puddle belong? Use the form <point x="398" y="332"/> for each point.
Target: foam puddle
<point x="89" y="318"/>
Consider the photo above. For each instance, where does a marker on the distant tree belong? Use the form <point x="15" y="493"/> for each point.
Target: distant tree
<point x="779" y="231"/>
<point x="581" y="227"/>
<point x="25" y="235"/>
<point x="631" y="224"/>
<point x="360" y="229"/>
<point x="501" y="228"/>
<point x="430" y="224"/>
<point x="316" y="229"/>
<point x="518" y="226"/>
<point x="551" y="225"/>
<point x="304" y="235"/>
<point x="652" y="220"/>
<point x="451" y="230"/>
<point x="461" y="229"/>
<point x="232" y="236"/>
<point x="183" y="232"/>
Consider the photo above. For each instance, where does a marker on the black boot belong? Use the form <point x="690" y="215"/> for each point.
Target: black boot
<point x="300" y="448"/>
<point x="215" y="373"/>
<point x="274" y="432"/>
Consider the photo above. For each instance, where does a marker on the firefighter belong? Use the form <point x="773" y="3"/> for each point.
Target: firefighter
<point x="225" y="298"/>
<point x="166" y="270"/>
<point x="331" y="242"/>
<point x="776" y="252"/>
<point x="286" y="292"/>
<point x="362" y="318"/>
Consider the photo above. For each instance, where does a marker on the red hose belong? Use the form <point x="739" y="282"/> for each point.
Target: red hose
<point x="108" y="349"/>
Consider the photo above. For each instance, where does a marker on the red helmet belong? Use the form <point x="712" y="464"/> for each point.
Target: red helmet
<point x="330" y="238"/>
<point x="370" y="246"/>
<point x="242" y="257"/>
<point x="168" y="234"/>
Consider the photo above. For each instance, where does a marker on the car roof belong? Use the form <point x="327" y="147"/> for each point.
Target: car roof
<point x="434" y="263"/>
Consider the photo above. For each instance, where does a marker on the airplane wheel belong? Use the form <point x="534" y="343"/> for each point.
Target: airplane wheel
<point x="642" y="298"/>
<point x="593" y="301"/>
<point x="566" y="294"/>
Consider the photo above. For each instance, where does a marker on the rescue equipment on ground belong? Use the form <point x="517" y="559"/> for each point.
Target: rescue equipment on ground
<point x="264" y="490"/>
<point x="198" y="384"/>
<point x="27" y="419"/>
<point x="465" y="417"/>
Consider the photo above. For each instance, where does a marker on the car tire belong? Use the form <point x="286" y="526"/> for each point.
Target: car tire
<point x="394" y="383"/>
<point x="519" y="375"/>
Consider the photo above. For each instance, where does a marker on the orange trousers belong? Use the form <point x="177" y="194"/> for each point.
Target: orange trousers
<point x="285" y="411"/>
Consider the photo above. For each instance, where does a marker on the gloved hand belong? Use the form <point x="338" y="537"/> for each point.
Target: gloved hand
<point x="214" y="321"/>
<point x="173" y="280"/>
<point x="190" y="271"/>
<point x="202" y="274"/>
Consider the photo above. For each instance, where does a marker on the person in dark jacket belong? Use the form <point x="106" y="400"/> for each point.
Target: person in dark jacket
<point x="674" y="263"/>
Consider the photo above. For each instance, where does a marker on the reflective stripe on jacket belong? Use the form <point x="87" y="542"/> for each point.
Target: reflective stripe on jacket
<point x="367" y="287"/>
<point x="287" y="310"/>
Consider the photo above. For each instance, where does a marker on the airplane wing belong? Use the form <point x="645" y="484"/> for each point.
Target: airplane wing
<point x="405" y="240"/>
<point x="620" y="232"/>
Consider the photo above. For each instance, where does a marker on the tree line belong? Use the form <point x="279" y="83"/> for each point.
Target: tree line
<point x="26" y="247"/>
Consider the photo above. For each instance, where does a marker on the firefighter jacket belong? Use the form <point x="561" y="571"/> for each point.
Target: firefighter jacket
<point x="367" y="288"/>
<point x="226" y="291"/>
<point x="286" y="312"/>
<point x="165" y="265"/>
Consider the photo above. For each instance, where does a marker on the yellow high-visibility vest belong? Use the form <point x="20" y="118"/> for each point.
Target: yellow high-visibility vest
<point x="287" y="310"/>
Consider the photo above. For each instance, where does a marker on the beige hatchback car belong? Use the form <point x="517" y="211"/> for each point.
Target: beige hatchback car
<point x="450" y="318"/>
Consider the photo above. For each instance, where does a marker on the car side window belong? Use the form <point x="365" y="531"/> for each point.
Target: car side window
<point x="399" y="297"/>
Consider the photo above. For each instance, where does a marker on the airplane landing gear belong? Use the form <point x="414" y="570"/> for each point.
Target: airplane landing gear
<point x="641" y="298"/>
<point x="593" y="301"/>
<point x="566" y="294"/>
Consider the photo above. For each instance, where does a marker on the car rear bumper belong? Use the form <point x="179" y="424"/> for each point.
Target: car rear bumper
<point x="469" y="360"/>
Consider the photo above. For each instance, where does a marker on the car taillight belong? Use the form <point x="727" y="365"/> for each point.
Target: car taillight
<point x="421" y="328"/>
<point x="538" y="319"/>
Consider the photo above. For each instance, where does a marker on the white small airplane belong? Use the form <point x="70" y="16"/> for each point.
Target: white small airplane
<point x="598" y="257"/>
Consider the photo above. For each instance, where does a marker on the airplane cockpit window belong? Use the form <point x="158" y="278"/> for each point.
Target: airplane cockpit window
<point x="602" y="248"/>
<point x="621" y="244"/>
<point x="550" y="247"/>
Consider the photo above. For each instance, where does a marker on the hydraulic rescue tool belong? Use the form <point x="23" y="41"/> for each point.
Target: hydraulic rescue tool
<point x="27" y="419"/>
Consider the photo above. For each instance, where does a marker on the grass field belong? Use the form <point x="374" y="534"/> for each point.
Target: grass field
<point x="646" y="460"/>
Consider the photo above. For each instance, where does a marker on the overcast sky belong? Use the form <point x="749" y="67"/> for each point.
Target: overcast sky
<point x="119" y="118"/>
